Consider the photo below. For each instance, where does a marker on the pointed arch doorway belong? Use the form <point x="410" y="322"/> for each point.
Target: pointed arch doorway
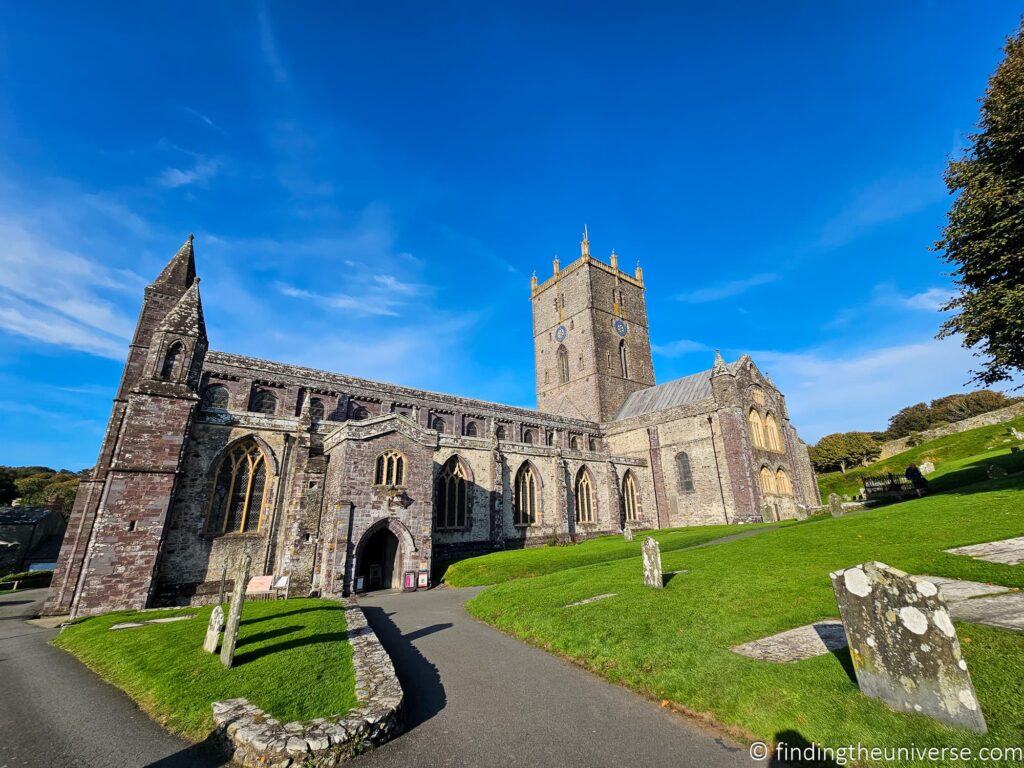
<point x="380" y="562"/>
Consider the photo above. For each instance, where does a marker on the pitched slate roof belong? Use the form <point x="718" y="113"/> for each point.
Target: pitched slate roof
<point x="688" y="389"/>
<point x="23" y="515"/>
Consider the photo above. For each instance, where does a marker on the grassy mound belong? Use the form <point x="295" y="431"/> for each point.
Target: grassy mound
<point x="498" y="567"/>
<point x="673" y="644"/>
<point x="292" y="660"/>
<point x="959" y="460"/>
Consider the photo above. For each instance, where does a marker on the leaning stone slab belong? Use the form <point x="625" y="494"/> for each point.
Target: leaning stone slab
<point x="955" y="590"/>
<point x="259" y="741"/>
<point x="627" y="533"/>
<point x="904" y="646"/>
<point x="798" y="644"/>
<point x="1007" y="551"/>
<point x="589" y="600"/>
<point x="171" y="619"/>
<point x="835" y="505"/>
<point x="652" y="563"/>
<point x="127" y="625"/>
<point x="1003" y="612"/>
<point x="227" y="647"/>
<point x="213" y="630"/>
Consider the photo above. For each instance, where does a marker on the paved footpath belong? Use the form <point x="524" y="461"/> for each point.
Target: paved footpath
<point x="478" y="698"/>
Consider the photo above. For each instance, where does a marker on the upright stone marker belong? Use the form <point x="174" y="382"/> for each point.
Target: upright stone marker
<point x="904" y="646"/>
<point x="835" y="505"/>
<point x="213" y="629"/>
<point x="223" y="584"/>
<point x="627" y="533"/>
<point x="652" y="563"/>
<point x="227" y="648"/>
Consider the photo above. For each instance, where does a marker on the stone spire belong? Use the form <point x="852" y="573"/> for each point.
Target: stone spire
<point x="180" y="272"/>
<point x="186" y="318"/>
<point x="585" y="242"/>
<point x="719" y="368"/>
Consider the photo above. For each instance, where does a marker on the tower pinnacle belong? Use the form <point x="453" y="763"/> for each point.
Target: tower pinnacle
<point x="180" y="272"/>
<point x="585" y="243"/>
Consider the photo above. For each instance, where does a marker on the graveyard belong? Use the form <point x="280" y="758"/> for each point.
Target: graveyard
<point x="676" y="644"/>
<point x="292" y="659"/>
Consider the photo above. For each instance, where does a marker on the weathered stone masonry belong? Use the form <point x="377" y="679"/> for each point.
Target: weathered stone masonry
<point x="210" y="455"/>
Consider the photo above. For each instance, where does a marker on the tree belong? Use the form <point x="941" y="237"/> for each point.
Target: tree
<point x="8" y="490"/>
<point x="959" y="407"/>
<point x="844" y="449"/>
<point x="913" y="418"/>
<point x="984" y="234"/>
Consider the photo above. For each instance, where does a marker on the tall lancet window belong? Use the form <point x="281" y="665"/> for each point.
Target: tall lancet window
<point x="563" y="365"/>
<point x="584" y="497"/>
<point x="623" y="359"/>
<point x="171" y="361"/>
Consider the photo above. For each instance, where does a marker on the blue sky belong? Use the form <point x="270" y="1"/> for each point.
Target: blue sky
<point x="370" y="190"/>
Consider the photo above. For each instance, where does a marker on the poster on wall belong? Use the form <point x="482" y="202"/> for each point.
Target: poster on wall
<point x="424" y="580"/>
<point x="359" y="584"/>
<point x="409" y="581"/>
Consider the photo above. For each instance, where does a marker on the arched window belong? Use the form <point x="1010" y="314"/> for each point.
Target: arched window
<point x="528" y="436"/>
<point x="563" y="365"/>
<point x="263" y="401"/>
<point x="470" y="429"/>
<point x="238" y="489"/>
<point x="771" y="433"/>
<point x="623" y="360"/>
<point x="684" y="472"/>
<point x="767" y="481"/>
<point x="630" y="497"/>
<point x="359" y="412"/>
<point x="390" y="469"/>
<point x="782" y="482"/>
<point x="215" y="396"/>
<point x="591" y="444"/>
<point x="584" y="497"/>
<point x="452" y="495"/>
<point x="316" y="409"/>
<point x="438" y="424"/>
<point x="527" y="496"/>
<point x="499" y="432"/>
<point x="574" y="443"/>
<point x="170" y="363"/>
<point x="756" y="429"/>
<point x="549" y="437"/>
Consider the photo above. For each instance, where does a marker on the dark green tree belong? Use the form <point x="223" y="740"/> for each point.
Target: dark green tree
<point x="906" y="421"/>
<point x="843" y="450"/>
<point x="8" y="490"/>
<point x="984" y="234"/>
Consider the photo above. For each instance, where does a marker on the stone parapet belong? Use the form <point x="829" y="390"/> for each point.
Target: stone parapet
<point x="257" y="740"/>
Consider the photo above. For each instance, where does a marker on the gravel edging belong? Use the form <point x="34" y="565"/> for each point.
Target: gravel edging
<point x="259" y="741"/>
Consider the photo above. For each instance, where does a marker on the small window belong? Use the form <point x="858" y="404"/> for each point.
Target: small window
<point x="263" y="401"/>
<point x="215" y="396"/>
<point x="574" y="443"/>
<point x="170" y="363"/>
<point x="437" y="423"/>
<point x="623" y="359"/>
<point x="563" y="365"/>
<point x="549" y="438"/>
<point x="782" y="482"/>
<point x="767" y="481"/>
<point x="528" y="436"/>
<point x="390" y="469"/>
<point x="359" y="412"/>
<point x="591" y="444"/>
<point x="499" y="432"/>
<point x="316" y="409"/>
<point x="684" y="472"/>
<point x="471" y="429"/>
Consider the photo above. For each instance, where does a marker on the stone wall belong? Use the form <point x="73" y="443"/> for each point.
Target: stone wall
<point x="1000" y="416"/>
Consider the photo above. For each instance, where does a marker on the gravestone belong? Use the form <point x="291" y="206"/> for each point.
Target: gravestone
<point x="835" y="505"/>
<point x="926" y="467"/>
<point x="223" y="584"/>
<point x="627" y="533"/>
<point x="213" y="629"/>
<point x="227" y="647"/>
<point x="652" y="563"/>
<point x="904" y="646"/>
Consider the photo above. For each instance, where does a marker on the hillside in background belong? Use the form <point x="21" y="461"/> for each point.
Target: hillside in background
<point x="40" y="487"/>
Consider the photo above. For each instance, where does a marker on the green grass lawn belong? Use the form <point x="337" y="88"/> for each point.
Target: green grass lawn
<point x="673" y="644"/>
<point x="292" y="660"/>
<point x="959" y="459"/>
<point x="509" y="564"/>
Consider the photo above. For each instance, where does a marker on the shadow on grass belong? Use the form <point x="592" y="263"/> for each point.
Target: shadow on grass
<point x="287" y="645"/>
<point x="424" y="693"/>
<point x="208" y="753"/>
<point x="798" y="752"/>
<point x="842" y="655"/>
<point x="268" y="635"/>
<point x="296" y="612"/>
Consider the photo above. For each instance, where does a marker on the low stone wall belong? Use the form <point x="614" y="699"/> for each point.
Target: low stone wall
<point x="892" y="447"/>
<point x="259" y="741"/>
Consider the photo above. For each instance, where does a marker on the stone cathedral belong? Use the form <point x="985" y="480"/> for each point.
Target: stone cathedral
<point x="345" y="485"/>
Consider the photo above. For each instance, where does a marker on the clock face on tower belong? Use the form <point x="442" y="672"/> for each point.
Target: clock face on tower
<point x="620" y="326"/>
<point x="560" y="333"/>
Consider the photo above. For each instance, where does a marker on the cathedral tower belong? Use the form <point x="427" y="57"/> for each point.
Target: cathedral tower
<point x="591" y="345"/>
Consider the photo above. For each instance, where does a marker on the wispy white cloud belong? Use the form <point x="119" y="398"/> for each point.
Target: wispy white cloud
<point x="728" y="289"/>
<point x="831" y="391"/>
<point x="268" y="45"/>
<point x="205" y="119"/>
<point x="357" y="305"/>
<point x="931" y="300"/>
<point x="679" y="347"/>
<point x="200" y="172"/>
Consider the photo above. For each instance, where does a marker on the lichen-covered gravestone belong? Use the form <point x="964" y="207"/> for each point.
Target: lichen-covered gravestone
<point x="627" y="533"/>
<point x="652" y="563"/>
<point x="835" y="505"/>
<point x="227" y="647"/>
<point x="903" y="644"/>
<point x="213" y="629"/>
